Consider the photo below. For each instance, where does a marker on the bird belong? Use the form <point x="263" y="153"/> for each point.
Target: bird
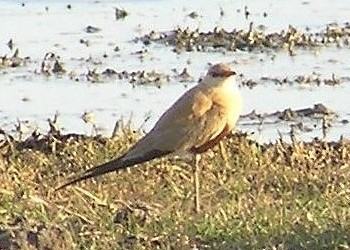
<point x="196" y="122"/>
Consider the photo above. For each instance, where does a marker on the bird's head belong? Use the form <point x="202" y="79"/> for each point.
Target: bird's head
<point x="219" y="74"/>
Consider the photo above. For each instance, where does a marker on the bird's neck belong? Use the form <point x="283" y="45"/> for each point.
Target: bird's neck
<point x="220" y="85"/>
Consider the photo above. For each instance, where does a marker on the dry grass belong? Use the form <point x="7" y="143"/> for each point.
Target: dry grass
<point x="277" y="196"/>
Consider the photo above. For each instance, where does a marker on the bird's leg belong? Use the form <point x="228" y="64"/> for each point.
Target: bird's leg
<point x="196" y="182"/>
<point x="224" y="155"/>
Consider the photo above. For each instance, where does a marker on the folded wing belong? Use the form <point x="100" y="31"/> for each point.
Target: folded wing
<point x="194" y="123"/>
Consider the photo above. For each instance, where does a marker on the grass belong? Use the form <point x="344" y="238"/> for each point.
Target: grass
<point x="276" y="196"/>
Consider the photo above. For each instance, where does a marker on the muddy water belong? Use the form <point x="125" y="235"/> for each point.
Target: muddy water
<point x="40" y="27"/>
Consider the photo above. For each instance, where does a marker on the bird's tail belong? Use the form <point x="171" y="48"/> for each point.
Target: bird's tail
<point x="114" y="165"/>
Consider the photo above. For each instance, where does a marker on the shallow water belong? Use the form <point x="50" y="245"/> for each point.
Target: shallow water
<point x="26" y="95"/>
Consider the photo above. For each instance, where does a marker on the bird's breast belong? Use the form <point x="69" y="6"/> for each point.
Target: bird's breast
<point x="230" y="100"/>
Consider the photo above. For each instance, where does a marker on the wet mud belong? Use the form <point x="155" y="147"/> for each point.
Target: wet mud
<point x="253" y="39"/>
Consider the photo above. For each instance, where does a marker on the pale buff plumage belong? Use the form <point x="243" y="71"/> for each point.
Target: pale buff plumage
<point x="195" y="122"/>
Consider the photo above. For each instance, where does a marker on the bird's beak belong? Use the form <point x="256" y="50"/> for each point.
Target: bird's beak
<point x="229" y="73"/>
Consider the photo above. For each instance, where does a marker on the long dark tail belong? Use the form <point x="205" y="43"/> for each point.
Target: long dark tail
<point x="114" y="165"/>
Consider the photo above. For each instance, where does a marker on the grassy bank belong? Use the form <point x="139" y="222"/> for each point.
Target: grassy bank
<point x="276" y="196"/>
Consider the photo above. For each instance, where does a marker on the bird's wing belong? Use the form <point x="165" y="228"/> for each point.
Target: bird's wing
<point x="113" y="165"/>
<point x="194" y="120"/>
<point x="193" y="123"/>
